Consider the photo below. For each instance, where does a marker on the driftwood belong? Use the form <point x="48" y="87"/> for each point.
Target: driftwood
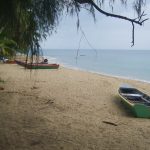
<point x="110" y="123"/>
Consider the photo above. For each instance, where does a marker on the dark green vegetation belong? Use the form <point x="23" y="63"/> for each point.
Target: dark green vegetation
<point x="24" y="23"/>
<point x="8" y="48"/>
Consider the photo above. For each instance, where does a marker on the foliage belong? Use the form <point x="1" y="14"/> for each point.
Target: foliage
<point x="8" y="47"/>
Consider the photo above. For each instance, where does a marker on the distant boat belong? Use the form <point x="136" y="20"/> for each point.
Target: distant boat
<point x="10" y="62"/>
<point x="136" y="101"/>
<point x="37" y="65"/>
<point x="42" y="66"/>
<point x="21" y="63"/>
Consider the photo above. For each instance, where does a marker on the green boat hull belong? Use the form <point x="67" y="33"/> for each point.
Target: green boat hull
<point x="138" y="110"/>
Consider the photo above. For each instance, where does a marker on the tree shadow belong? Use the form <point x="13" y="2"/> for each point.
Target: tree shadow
<point x="21" y="127"/>
<point x="125" y="111"/>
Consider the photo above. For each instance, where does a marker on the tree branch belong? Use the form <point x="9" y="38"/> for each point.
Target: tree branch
<point x="119" y="16"/>
<point x="132" y="34"/>
<point x="138" y="20"/>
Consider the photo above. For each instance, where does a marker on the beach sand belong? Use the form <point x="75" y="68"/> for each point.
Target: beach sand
<point x="66" y="109"/>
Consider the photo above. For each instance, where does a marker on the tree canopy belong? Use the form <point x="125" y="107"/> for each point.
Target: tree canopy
<point x="30" y="21"/>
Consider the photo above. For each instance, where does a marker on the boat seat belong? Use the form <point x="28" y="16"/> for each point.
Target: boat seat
<point x="132" y="94"/>
<point x="148" y="101"/>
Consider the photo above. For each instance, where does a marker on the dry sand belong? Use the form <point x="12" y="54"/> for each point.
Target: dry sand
<point x="65" y="110"/>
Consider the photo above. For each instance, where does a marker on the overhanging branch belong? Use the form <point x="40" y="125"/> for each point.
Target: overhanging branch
<point x="138" y="20"/>
<point x="132" y="34"/>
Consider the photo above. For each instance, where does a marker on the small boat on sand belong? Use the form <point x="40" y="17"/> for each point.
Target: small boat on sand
<point x="21" y="63"/>
<point x="37" y="65"/>
<point x="42" y="66"/>
<point x="137" y="101"/>
<point x="10" y="62"/>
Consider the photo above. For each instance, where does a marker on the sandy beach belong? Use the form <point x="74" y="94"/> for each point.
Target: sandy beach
<point x="67" y="109"/>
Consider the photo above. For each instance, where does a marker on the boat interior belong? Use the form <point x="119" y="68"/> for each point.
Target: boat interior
<point x="135" y="96"/>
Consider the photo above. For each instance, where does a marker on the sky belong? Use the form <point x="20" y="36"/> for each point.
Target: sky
<point x="105" y="33"/>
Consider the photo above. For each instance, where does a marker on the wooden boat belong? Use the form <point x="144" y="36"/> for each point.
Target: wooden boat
<point x="21" y="63"/>
<point x="136" y="101"/>
<point x="37" y="65"/>
<point x="10" y="62"/>
<point x="42" y="66"/>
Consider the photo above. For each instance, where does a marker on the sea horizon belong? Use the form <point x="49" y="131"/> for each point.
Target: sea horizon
<point x="126" y="64"/>
<point x="43" y="49"/>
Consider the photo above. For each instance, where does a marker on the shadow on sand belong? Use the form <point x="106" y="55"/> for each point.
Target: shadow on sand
<point x="123" y="109"/>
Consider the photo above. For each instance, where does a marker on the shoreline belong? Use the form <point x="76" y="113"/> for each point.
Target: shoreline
<point x="117" y="67"/>
<point x="54" y="60"/>
<point x="105" y="74"/>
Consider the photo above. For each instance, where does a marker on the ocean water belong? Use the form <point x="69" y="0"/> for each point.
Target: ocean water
<point x="132" y="64"/>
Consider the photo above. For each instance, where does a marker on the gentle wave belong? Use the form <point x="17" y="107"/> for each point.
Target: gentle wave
<point x="104" y="74"/>
<point x="65" y="65"/>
